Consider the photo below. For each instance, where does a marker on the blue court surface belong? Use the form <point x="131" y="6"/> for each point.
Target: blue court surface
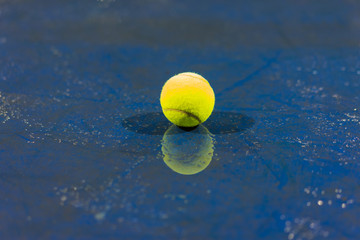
<point x="86" y="152"/>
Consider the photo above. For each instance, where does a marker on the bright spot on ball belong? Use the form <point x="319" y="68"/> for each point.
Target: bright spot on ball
<point x="187" y="99"/>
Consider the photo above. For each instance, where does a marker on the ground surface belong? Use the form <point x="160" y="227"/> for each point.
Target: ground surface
<point x="83" y="139"/>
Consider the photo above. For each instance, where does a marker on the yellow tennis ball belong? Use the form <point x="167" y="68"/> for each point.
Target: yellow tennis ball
<point x="187" y="99"/>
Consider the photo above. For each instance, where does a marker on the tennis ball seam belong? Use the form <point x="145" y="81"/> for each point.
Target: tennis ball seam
<point x="187" y="113"/>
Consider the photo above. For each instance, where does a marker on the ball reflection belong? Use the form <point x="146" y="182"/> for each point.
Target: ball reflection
<point x="187" y="152"/>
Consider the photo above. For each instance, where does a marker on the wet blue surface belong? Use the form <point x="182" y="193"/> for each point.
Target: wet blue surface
<point x="86" y="153"/>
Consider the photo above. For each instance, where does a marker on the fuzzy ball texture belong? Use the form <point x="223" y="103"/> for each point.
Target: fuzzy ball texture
<point x="187" y="99"/>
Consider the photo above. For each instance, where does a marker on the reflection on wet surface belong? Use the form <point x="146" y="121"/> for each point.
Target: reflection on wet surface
<point x="187" y="152"/>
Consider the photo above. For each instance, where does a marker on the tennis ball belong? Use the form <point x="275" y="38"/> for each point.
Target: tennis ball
<point x="187" y="152"/>
<point x="187" y="99"/>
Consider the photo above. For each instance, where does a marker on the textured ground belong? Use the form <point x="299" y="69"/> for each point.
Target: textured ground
<point x="82" y="136"/>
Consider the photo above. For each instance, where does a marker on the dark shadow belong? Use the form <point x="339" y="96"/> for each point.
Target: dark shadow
<point x="188" y="129"/>
<point x="228" y="122"/>
<point x="155" y="123"/>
